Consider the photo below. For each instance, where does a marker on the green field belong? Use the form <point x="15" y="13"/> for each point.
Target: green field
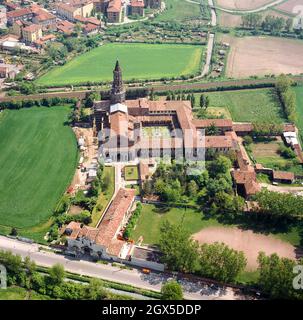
<point x="179" y="10"/>
<point x="248" y="105"/>
<point x="152" y="217"/>
<point x="18" y="293"/>
<point x="38" y="156"/>
<point x="138" y="61"/>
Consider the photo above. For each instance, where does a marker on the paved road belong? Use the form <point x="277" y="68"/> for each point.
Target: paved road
<point x="269" y="5"/>
<point x="153" y="281"/>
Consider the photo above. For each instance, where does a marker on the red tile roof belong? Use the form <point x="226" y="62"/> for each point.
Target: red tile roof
<point x="283" y="175"/>
<point x="137" y="3"/>
<point x="32" y="28"/>
<point x="220" y="123"/>
<point x="218" y="142"/>
<point x="19" y="13"/>
<point x="114" y="6"/>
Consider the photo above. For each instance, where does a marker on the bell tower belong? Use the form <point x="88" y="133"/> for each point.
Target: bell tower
<point x="117" y="94"/>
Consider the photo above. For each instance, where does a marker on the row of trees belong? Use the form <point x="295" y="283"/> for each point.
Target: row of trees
<point x="25" y="274"/>
<point x="181" y="96"/>
<point x="132" y="221"/>
<point x="219" y="262"/>
<point x="267" y="129"/>
<point x="287" y="96"/>
<point x="269" y="23"/>
<point x="182" y="253"/>
<point x="280" y="205"/>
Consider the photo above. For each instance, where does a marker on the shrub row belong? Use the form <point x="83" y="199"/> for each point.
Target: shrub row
<point x="132" y="221"/>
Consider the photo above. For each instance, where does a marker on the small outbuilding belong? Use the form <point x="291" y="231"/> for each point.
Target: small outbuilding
<point x="283" y="177"/>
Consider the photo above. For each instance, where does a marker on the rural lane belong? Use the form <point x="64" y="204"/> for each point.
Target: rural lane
<point x="153" y="281"/>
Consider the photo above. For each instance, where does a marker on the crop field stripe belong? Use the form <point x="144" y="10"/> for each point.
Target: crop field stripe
<point x="138" y="61"/>
<point x="38" y="156"/>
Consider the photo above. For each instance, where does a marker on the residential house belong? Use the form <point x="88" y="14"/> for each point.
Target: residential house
<point x="71" y="9"/>
<point x="19" y="14"/>
<point x="114" y="11"/>
<point x="32" y="33"/>
<point x="3" y="17"/>
<point x="136" y="7"/>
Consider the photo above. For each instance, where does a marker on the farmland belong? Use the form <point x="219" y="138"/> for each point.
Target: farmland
<point x="260" y="56"/>
<point x="248" y="105"/>
<point x="38" y="156"/>
<point x="138" y="61"/>
<point x="289" y="6"/>
<point x="230" y="20"/>
<point x="242" y="5"/>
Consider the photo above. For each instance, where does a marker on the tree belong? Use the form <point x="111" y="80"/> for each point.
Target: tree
<point x="202" y="101"/>
<point x="207" y="102"/>
<point x="220" y="262"/>
<point x="280" y="205"/>
<point x="247" y="140"/>
<point x="276" y="277"/>
<point x="192" y="188"/>
<point x="212" y="130"/>
<point x="179" y="250"/>
<point x="95" y="290"/>
<point x="14" y="232"/>
<point x="172" y="290"/>
<point x="90" y="98"/>
<point x="221" y="165"/>
<point x="57" y="274"/>
<point x="192" y="100"/>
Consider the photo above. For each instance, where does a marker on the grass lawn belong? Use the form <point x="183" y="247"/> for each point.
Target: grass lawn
<point x="138" y="61"/>
<point x="152" y="217"/>
<point x="179" y="10"/>
<point x="105" y="196"/>
<point x="18" y="293"/>
<point x="131" y="173"/>
<point x="247" y="105"/>
<point x="38" y="157"/>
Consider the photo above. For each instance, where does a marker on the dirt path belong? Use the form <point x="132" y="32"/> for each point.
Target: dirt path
<point x="248" y="242"/>
<point x="282" y="189"/>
